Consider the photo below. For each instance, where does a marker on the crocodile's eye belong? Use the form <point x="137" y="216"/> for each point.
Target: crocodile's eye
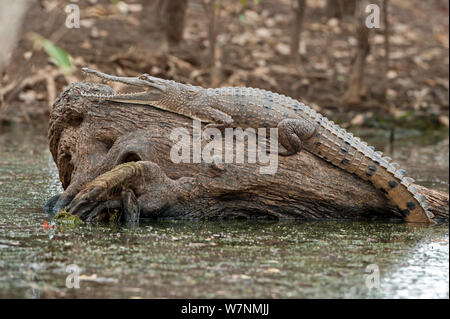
<point x="143" y="76"/>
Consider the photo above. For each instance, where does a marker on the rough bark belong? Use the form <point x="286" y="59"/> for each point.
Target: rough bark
<point x="113" y="155"/>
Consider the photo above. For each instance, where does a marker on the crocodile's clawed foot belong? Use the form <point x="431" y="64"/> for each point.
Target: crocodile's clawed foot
<point x="292" y="133"/>
<point x="282" y="151"/>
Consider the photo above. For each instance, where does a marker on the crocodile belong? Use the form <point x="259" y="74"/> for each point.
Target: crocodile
<point x="299" y="127"/>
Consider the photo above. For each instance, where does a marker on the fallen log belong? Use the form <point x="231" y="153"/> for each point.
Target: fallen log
<point x="116" y="157"/>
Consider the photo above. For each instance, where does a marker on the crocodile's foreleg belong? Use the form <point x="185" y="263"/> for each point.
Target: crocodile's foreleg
<point x="291" y="133"/>
<point x="215" y="117"/>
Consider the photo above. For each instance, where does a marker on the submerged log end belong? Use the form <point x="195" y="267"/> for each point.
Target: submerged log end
<point x="99" y="136"/>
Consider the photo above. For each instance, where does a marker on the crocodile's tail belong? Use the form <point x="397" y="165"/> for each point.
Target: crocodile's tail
<point x="342" y="149"/>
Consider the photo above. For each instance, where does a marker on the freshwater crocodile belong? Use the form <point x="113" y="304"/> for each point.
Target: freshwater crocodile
<point x="299" y="127"/>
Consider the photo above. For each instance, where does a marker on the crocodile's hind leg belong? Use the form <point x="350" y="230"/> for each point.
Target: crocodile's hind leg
<point x="291" y="133"/>
<point x="219" y="120"/>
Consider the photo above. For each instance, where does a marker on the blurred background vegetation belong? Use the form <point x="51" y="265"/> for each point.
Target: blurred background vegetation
<point x="317" y="51"/>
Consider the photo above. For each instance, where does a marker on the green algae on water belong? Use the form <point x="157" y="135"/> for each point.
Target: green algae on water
<point x="63" y="216"/>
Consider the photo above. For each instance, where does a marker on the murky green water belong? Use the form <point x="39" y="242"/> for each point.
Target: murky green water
<point x="214" y="259"/>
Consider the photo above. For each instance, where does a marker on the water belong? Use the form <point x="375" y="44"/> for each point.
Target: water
<point x="214" y="259"/>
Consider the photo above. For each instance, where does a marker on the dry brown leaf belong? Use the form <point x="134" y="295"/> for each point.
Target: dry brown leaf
<point x="358" y="120"/>
<point x="430" y="82"/>
<point x="28" y="96"/>
<point x="443" y="119"/>
<point x="273" y="270"/>
<point x="442" y="38"/>
<point x="282" y="48"/>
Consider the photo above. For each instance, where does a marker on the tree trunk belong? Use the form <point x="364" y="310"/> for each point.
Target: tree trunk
<point x="126" y="150"/>
<point x="212" y="10"/>
<point x="356" y="88"/>
<point x="386" y="49"/>
<point x="297" y="28"/>
<point x="173" y="16"/>
<point x="340" y="8"/>
<point x="11" y="15"/>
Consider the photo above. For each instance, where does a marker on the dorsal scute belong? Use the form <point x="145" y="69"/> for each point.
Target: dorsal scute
<point x="406" y="181"/>
<point x="413" y="189"/>
<point x="319" y="117"/>
<point x="399" y="173"/>
<point x="392" y="167"/>
<point x="420" y="198"/>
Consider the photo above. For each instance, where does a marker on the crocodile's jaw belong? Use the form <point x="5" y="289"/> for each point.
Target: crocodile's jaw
<point x="135" y="81"/>
<point x="154" y="88"/>
<point x="147" y="98"/>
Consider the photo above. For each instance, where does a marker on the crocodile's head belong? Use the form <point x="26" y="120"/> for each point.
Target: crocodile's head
<point x="153" y="88"/>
